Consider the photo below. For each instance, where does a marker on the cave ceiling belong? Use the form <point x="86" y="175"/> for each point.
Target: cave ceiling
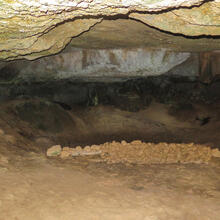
<point x="38" y="28"/>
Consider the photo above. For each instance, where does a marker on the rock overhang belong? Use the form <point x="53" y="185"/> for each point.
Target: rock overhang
<point x="38" y="28"/>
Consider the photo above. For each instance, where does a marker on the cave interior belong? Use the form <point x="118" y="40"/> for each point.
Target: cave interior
<point x="122" y="123"/>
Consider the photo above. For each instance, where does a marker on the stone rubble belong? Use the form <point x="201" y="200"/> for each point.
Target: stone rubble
<point x="216" y="152"/>
<point x="54" y="151"/>
<point x="138" y="152"/>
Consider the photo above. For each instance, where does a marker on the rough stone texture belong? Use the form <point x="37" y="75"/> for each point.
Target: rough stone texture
<point x="203" y="20"/>
<point x="43" y="44"/>
<point x="129" y="33"/>
<point x="216" y="152"/>
<point x="32" y="29"/>
<point x="138" y="152"/>
<point x="103" y="64"/>
<point x="148" y="153"/>
<point x="54" y="151"/>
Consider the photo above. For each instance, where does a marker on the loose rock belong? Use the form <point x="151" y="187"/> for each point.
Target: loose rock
<point x="54" y="151"/>
<point x="216" y="152"/>
<point x="138" y="152"/>
<point x="65" y="154"/>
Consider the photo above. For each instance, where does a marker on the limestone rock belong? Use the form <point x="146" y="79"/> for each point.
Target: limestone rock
<point x="131" y="33"/>
<point x="32" y="29"/>
<point x="54" y="151"/>
<point x="197" y="21"/>
<point x="51" y="42"/>
<point x="138" y="152"/>
<point x="102" y="63"/>
<point x="78" y="151"/>
<point x="216" y="152"/>
<point x="65" y="154"/>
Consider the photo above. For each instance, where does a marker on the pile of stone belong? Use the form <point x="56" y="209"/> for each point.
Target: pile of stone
<point x="66" y="152"/>
<point x="138" y="152"/>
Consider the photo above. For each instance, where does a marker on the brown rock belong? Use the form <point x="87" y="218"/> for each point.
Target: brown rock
<point x="216" y="152"/>
<point x="65" y="154"/>
<point x="54" y="151"/>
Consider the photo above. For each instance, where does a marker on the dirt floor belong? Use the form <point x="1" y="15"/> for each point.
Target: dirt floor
<point x="39" y="188"/>
<point x="33" y="186"/>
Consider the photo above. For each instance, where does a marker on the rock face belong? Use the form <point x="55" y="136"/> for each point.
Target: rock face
<point x="130" y="33"/>
<point x="203" y="20"/>
<point x="101" y="64"/>
<point x="32" y="29"/>
<point x="54" y="151"/>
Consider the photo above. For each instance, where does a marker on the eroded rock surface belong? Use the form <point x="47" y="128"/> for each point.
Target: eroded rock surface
<point x="203" y="20"/>
<point x="32" y="29"/>
<point x="131" y="33"/>
<point x="98" y="64"/>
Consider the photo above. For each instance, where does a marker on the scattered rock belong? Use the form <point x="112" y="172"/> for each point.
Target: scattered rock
<point x="95" y="147"/>
<point x="123" y="142"/>
<point x="66" y="148"/>
<point x="79" y="151"/>
<point x="78" y="148"/>
<point x="136" y="142"/>
<point x="87" y="149"/>
<point x="138" y="152"/>
<point x="54" y="151"/>
<point x="65" y="154"/>
<point x="216" y="152"/>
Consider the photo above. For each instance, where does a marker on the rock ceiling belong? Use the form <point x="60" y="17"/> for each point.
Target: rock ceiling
<point x="35" y="28"/>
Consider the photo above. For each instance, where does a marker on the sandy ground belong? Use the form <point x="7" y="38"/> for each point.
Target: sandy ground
<point x="38" y="188"/>
<point x="34" y="187"/>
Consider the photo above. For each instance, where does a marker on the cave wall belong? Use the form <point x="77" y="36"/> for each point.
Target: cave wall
<point x="103" y="65"/>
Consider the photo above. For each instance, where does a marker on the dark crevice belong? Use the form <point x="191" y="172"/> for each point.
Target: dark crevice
<point x="126" y="16"/>
<point x="203" y="121"/>
<point x="63" y="105"/>
<point x="179" y="34"/>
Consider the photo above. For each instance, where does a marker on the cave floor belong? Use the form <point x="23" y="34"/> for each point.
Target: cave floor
<point x="36" y="187"/>
<point x="39" y="188"/>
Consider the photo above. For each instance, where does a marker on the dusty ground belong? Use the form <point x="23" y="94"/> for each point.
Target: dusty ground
<point x="36" y="187"/>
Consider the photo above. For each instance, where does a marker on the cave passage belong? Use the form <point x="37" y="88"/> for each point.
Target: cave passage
<point x="89" y="131"/>
<point x="110" y="110"/>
